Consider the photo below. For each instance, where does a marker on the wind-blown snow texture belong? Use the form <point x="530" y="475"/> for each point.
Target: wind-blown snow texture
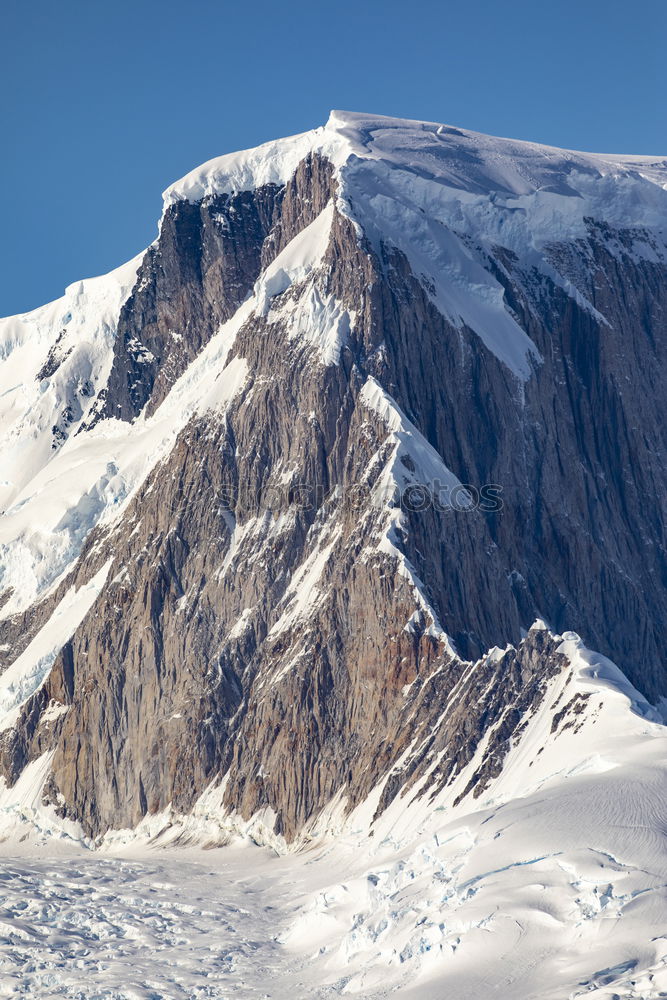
<point x="374" y="305"/>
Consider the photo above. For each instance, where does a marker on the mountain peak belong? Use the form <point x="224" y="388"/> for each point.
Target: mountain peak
<point x="440" y="162"/>
<point x="286" y="505"/>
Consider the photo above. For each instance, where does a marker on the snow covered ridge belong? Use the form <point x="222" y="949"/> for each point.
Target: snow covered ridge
<point x="520" y="195"/>
<point x="446" y="197"/>
<point x="469" y="162"/>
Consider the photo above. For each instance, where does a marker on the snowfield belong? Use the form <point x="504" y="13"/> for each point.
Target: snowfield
<point x="552" y="885"/>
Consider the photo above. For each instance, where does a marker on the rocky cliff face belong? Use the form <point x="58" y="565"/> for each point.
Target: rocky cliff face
<point x="375" y="400"/>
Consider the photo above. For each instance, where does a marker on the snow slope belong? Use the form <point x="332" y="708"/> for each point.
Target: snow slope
<point x="76" y="333"/>
<point x="29" y="670"/>
<point x="93" y="475"/>
<point x="552" y="885"/>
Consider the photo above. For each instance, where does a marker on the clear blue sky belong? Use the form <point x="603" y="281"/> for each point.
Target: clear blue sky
<point x="103" y="103"/>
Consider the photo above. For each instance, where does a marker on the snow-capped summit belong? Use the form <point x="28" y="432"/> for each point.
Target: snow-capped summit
<point x="455" y="158"/>
<point x="432" y="189"/>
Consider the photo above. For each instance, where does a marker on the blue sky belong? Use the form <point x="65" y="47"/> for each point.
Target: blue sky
<point x="103" y="104"/>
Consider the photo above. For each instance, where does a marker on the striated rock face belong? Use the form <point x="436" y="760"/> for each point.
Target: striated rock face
<point x="282" y="602"/>
<point x="195" y="277"/>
